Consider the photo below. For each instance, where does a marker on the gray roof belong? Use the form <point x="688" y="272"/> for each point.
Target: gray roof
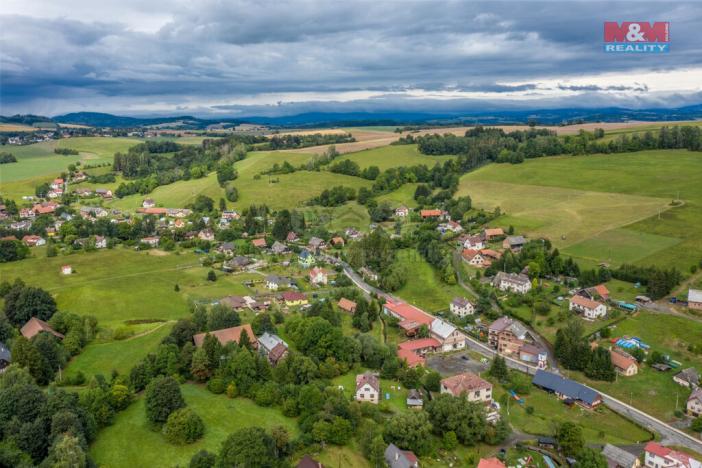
<point x="511" y="278"/>
<point x="565" y="387"/>
<point x="694" y="295"/>
<point x="5" y="354"/>
<point x="396" y="458"/>
<point x="269" y="341"/>
<point x="442" y="328"/>
<point x="278" y="247"/>
<point x="516" y="240"/>
<point x="460" y="301"/>
<point x="279" y="280"/>
<point x="619" y="456"/>
<point x="689" y="375"/>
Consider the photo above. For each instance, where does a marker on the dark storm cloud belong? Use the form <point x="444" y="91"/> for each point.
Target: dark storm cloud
<point x="213" y="51"/>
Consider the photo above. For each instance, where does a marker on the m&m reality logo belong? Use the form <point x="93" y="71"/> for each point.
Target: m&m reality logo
<point x="637" y="37"/>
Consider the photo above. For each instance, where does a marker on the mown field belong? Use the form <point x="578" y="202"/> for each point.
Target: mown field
<point x="402" y="196"/>
<point x="130" y="442"/>
<point x="386" y="157"/>
<point x="424" y="287"/>
<point x="582" y="203"/>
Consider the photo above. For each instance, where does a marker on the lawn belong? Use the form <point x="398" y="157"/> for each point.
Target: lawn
<point x="103" y="358"/>
<point x="129" y="442"/>
<point x="572" y="199"/>
<point x="424" y="287"/>
<point x="121" y="284"/>
<point x="650" y="390"/>
<point x="39" y="159"/>
<point x="338" y="218"/>
<point x="392" y="388"/>
<point x="389" y="156"/>
<point x="549" y="411"/>
<point x="402" y="196"/>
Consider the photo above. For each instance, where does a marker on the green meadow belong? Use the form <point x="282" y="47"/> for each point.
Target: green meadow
<point x="130" y="442"/>
<point x="582" y="203"/>
<point x="401" y="196"/>
<point x="386" y="157"/>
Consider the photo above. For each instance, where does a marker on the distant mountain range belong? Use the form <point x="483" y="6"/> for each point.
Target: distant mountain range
<point x="322" y="119"/>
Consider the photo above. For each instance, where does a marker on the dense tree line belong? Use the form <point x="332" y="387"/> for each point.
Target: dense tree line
<point x="574" y="352"/>
<point x="540" y="259"/>
<point x="658" y="281"/>
<point x="334" y="196"/>
<point x="291" y="141"/>
<point x="66" y="151"/>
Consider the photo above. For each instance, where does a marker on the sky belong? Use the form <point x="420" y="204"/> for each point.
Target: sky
<point x="241" y="58"/>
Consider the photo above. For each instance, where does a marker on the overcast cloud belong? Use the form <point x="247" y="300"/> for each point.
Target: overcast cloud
<point x="281" y="57"/>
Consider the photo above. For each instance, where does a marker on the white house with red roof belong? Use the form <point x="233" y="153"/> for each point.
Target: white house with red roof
<point x="473" y="257"/>
<point x="694" y="403"/>
<point x="367" y="388"/>
<point x="659" y="456"/>
<point x="472" y="386"/>
<point x="590" y="309"/>
<point x="319" y="276"/>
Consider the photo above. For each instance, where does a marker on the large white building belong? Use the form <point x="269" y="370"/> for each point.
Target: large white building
<point x="587" y="307"/>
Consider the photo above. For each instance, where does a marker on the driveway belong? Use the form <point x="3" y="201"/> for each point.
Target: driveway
<point x="456" y="363"/>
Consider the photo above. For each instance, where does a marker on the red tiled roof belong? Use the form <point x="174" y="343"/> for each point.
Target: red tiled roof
<point x="413" y="359"/>
<point x="260" y="242"/>
<point x="469" y="253"/>
<point x="422" y="343"/>
<point x="227" y="335"/>
<point x="584" y="302"/>
<point x="409" y="313"/>
<point x="153" y="211"/>
<point x="368" y="378"/>
<point x="621" y="360"/>
<point x="602" y="290"/>
<point x="657" y="449"/>
<point x="35" y="326"/>
<point x="430" y="213"/>
<point x="490" y="463"/>
<point x="290" y="296"/>
<point x="490" y="232"/>
<point x="347" y="305"/>
<point x="466" y="382"/>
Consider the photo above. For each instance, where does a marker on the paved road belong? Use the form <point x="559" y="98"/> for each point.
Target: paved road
<point x="669" y="434"/>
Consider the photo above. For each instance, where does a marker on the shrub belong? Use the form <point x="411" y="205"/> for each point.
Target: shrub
<point x="162" y="398"/>
<point x="184" y="426"/>
<point x="216" y="386"/>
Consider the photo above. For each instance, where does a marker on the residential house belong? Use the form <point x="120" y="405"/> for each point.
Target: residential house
<point x="338" y="241"/>
<point x="27" y="213"/>
<point x="306" y="259"/>
<point x="450" y="226"/>
<point x="352" y="233"/>
<point x="435" y="214"/>
<point x="397" y="458"/>
<point x="368" y="274"/>
<point x="461" y="306"/>
<point x="533" y="355"/>
<point x="316" y="244"/>
<point x="259" y="243"/>
<point x="227" y="335"/>
<point x="319" y="276"/>
<point x="279" y="248"/>
<point x="104" y="193"/>
<point x="234" y="302"/>
<point x="567" y="389"/>
<point x="100" y="242"/>
<point x="291" y="237"/>
<point x="367" y="388"/>
<point x="473" y="242"/>
<point x="21" y="225"/>
<point x="294" y="298"/>
<point x="516" y="283"/>
<point x="226" y="248"/>
<point x="309" y="462"/>
<point x="148" y="203"/>
<point x="491" y="463"/>
<point x="230" y="215"/>
<point x="658" y="456"/>
<point x="414" y="351"/>
<point x="35" y="326"/>
<point x="694" y="403"/>
<point x="83" y="192"/>
<point x="415" y="399"/>
<point x="472" y="386"/>
<point x="33" y="241"/>
<point x="151" y="241"/>
<point x="401" y="211"/>
<point x="473" y="257"/>
<point x="624" y="363"/>
<point x="347" y="305"/>
<point x="694" y="299"/>
<point x="410" y="317"/>
<point x="514" y="243"/>
<point x="595" y="293"/>
<point x="66" y="270"/>
<point x="492" y="233"/>
<point x="237" y="263"/>
<point x="275" y="282"/>
<point x="57" y="184"/>
<point x="689" y="378"/>
<point x="45" y="207"/>
<point x="590" y="309"/>
<point x="206" y="235"/>
<point x="5" y="356"/>
<point x="273" y="347"/>
<point x="450" y="337"/>
<point x="619" y="458"/>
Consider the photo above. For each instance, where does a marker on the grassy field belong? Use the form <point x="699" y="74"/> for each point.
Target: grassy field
<point x="424" y="287"/>
<point x="386" y="157"/>
<point x="338" y="218"/>
<point x="589" y="199"/>
<point x="650" y="390"/>
<point x="129" y="442"/>
<point x="402" y="196"/>
<point x="102" y="358"/>
<point x="121" y="284"/>
<point x="600" y="426"/>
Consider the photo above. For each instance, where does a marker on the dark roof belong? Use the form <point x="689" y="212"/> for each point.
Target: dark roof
<point x="309" y="462"/>
<point x="565" y="387"/>
<point x="5" y="354"/>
